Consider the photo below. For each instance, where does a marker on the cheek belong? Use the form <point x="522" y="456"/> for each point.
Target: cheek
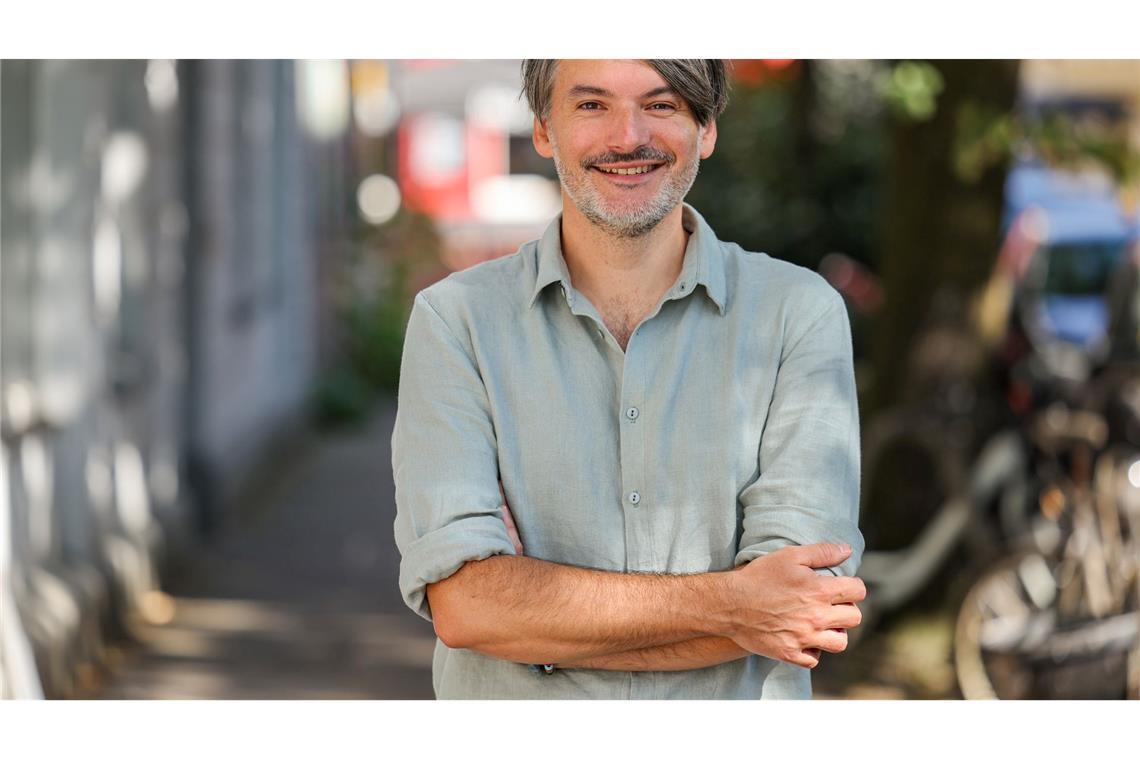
<point x="682" y="141"/>
<point x="570" y="148"/>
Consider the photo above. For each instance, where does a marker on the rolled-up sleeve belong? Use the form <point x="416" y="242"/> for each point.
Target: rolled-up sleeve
<point x="444" y="459"/>
<point x="808" y="487"/>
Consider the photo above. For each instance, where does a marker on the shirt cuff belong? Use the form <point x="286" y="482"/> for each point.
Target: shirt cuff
<point x="439" y="554"/>
<point x="777" y="527"/>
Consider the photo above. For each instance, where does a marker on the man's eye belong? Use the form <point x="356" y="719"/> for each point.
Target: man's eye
<point x="590" y="106"/>
<point x="663" y="107"/>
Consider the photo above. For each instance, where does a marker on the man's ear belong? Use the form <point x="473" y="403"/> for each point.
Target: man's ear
<point x="708" y="140"/>
<point x="541" y="139"/>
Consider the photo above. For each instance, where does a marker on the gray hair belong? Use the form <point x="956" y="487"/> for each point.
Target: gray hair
<point x="701" y="82"/>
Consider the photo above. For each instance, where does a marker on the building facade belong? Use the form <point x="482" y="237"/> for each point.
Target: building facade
<point x="166" y="229"/>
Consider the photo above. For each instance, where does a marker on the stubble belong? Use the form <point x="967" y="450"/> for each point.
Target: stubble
<point x="629" y="222"/>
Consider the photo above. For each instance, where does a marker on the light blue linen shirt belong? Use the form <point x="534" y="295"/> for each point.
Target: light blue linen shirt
<point x="727" y="429"/>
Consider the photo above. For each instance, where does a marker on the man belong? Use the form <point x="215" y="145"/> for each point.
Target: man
<point x="673" y="421"/>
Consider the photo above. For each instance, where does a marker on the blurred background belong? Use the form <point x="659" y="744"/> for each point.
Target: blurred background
<point x="206" y="271"/>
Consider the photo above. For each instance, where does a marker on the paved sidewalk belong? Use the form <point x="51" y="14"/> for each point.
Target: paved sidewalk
<point x="299" y="599"/>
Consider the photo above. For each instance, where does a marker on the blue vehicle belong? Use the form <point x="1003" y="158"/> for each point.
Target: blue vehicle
<point x="1076" y="237"/>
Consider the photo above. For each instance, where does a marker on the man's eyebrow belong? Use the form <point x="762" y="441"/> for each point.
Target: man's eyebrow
<point x="588" y="89"/>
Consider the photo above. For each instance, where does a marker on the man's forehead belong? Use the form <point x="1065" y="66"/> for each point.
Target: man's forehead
<point x="600" y="77"/>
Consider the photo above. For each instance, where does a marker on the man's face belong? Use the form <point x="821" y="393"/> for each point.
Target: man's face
<point x="626" y="147"/>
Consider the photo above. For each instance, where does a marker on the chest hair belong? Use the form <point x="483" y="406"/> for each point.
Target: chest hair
<point x="622" y="315"/>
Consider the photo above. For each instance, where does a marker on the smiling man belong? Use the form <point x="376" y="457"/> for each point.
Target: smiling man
<point x="627" y="456"/>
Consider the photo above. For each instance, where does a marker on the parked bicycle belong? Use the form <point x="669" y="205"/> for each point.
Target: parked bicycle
<point x="1060" y="616"/>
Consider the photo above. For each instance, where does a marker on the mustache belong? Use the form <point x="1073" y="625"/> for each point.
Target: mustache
<point x="644" y="153"/>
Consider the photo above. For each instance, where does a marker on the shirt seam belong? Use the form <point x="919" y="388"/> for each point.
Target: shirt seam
<point x="451" y="333"/>
<point x="833" y="305"/>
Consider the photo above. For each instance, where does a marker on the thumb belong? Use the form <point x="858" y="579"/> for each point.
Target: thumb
<point x="822" y="555"/>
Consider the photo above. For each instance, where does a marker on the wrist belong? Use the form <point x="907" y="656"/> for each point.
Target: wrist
<point x="717" y="604"/>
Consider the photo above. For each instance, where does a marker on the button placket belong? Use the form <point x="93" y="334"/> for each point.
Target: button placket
<point x="640" y="553"/>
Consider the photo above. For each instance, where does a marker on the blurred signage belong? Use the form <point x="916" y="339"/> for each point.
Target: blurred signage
<point x="441" y="158"/>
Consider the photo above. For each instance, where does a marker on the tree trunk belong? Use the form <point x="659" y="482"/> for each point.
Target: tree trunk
<point x="941" y="234"/>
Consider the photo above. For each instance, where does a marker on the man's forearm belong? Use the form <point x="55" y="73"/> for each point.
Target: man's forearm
<point x="702" y="652"/>
<point x="528" y="610"/>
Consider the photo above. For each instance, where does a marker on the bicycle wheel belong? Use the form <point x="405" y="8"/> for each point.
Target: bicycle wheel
<point x="1006" y="612"/>
<point x="1012" y="642"/>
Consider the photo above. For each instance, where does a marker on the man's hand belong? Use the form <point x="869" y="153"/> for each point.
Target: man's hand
<point x="788" y="612"/>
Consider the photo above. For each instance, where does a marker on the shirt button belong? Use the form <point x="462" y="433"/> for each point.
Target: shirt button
<point x="631" y="413"/>
<point x="634" y="497"/>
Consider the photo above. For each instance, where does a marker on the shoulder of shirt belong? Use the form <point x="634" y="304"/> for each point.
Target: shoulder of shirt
<point x="768" y="280"/>
<point x="494" y="286"/>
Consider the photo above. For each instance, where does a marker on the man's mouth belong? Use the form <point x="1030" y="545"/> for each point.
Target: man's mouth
<point x="634" y="170"/>
<point x="627" y="171"/>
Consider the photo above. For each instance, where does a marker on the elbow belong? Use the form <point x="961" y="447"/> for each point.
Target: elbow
<point x="464" y="613"/>
<point x="450" y="631"/>
<point x="449" y="634"/>
<point x="448" y="615"/>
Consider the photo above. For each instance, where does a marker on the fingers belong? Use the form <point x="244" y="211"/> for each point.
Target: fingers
<point x="843" y="616"/>
<point x="829" y="641"/>
<point x="845" y="590"/>
<point x="808" y="658"/>
<point x="834" y="641"/>
<point x="820" y="555"/>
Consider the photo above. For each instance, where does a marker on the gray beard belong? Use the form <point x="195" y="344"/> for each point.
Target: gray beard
<point x="630" y="224"/>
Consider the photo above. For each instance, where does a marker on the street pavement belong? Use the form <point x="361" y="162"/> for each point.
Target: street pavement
<point x="298" y="598"/>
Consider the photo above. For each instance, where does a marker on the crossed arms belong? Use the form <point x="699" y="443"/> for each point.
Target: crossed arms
<point x="527" y="610"/>
<point x="494" y="601"/>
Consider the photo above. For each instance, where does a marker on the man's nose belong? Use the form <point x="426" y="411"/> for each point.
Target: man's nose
<point x="629" y="130"/>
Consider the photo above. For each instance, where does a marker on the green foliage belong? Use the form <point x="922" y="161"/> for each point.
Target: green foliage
<point x="374" y="331"/>
<point x="987" y="138"/>
<point x="911" y="90"/>
<point x="374" y="295"/>
<point x="984" y="138"/>
<point x="343" y="396"/>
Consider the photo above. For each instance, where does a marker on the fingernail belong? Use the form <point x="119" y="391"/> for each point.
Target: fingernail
<point x="845" y="547"/>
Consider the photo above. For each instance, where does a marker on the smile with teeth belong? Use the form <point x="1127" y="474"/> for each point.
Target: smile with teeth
<point x="634" y="170"/>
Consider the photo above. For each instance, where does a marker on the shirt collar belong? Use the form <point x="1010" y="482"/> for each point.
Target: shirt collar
<point x="704" y="262"/>
<point x="551" y="265"/>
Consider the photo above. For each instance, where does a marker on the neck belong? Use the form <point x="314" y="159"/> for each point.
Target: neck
<point x="607" y="268"/>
